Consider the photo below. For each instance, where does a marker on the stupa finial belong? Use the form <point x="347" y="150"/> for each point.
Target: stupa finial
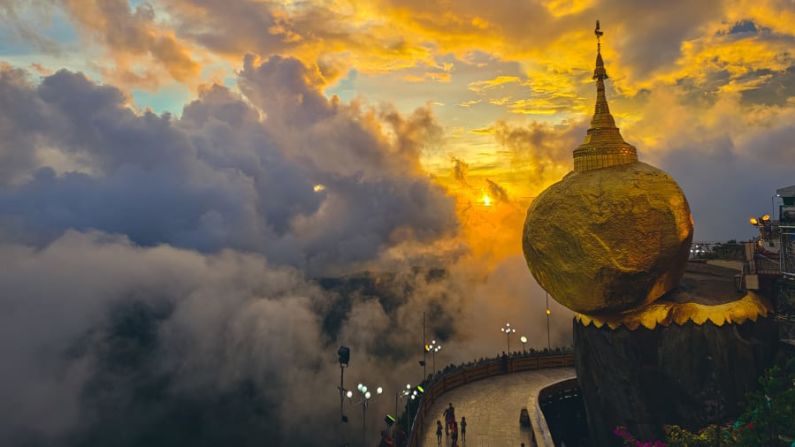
<point x="601" y="117"/>
<point x="599" y="33"/>
<point x="603" y="145"/>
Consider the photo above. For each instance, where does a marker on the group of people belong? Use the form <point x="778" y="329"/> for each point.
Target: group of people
<point x="451" y="427"/>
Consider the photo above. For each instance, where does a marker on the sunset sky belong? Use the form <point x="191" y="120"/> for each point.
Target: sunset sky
<point x="701" y="88"/>
<point x="178" y="151"/>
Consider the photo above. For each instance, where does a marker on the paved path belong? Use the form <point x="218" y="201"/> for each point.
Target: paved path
<point x="492" y="408"/>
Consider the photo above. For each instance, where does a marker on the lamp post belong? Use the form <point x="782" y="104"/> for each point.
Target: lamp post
<point x="364" y="401"/>
<point x="434" y="347"/>
<point x="416" y="393"/>
<point x="406" y="395"/>
<point x="523" y="339"/>
<point x="344" y="356"/>
<point x="508" y="330"/>
<point x="549" y="312"/>
<point x="424" y="350"/>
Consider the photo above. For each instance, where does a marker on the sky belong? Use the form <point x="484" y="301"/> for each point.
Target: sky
<point x="200" y="200"/>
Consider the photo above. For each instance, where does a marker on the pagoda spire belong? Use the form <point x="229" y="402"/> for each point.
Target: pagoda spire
<point x="603" y="146"/>
<point x="601" y="117"/>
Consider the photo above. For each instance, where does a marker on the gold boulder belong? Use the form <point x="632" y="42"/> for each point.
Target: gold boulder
<point x="609" y="239"/>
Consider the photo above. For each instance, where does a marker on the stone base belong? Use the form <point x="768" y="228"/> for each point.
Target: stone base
<point x="690" y="375"/>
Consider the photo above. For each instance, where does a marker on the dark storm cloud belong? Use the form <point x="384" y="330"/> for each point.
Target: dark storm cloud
<point x="743" y="26"/>
<point x="653" y="32"/>
<point x="726" y="181"/>
<point x="112" y="335"/>
<point x="19" y="129"/>
<point x="776" y="91"/>
<point x="219" y="177"/>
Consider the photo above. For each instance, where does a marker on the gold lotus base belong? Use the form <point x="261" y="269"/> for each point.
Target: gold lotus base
<point x="750" y="307"/>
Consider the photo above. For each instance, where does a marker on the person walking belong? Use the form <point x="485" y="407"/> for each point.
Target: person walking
<point x="454" y="437"/>
<point x="449" y="419"/>
<point x="386" y="440"/>
<point x="399" y="437"/>
<point x="463" y="429"/>
<point x="439" y="432"/>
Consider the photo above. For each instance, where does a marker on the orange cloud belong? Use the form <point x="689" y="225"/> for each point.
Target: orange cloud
<point x="139" y="46"/>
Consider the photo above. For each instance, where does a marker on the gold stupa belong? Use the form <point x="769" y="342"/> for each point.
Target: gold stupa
<point x="614" y="234"/>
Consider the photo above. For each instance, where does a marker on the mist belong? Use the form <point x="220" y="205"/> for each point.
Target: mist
<point x="173" y="281"/>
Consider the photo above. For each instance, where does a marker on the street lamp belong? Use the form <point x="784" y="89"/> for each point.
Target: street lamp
<point x="508" y="330"/>
<point x="343" y="356"/>
<point x="549" y="312"/>
<point x="364" y="401"/>
<point x="404" y="394"/>
<point x="434" y="347"/>
<point x="523" y="339"/>
<point x="416" y="393"/>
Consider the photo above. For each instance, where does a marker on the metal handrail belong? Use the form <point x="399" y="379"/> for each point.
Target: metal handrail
<point x="468" y="373"/>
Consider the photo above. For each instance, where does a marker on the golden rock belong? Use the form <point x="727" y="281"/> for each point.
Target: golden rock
<point x="609" y="239"/>
<point x="615" y="233"/>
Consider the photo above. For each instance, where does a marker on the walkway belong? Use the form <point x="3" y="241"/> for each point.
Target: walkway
<point x="492" y="408"/>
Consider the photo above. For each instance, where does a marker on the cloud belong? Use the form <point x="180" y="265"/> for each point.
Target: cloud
<point x="722" y="148"/>
<point x="170" y="346"/>
<point x="152" y="341"/>
<point x="460" y="169"/>
<point x="647" y="45"/>
<point x="219" y="176"/>
<point x="170" y="246"/>
<point x="178" y="254"/>
<point x="132" y="35"/>
<point x="480" y="86"/>
<point x="163" y="271"/>
<point x="24" y="31"/>
<point x="541" y="152"/>
<point x="496" y="191"/>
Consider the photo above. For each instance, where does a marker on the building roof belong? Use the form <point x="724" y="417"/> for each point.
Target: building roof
<point x="706" y="284"/>
<point x="788" y="191"/>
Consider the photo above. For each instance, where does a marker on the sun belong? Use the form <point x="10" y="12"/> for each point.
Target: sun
<point x="486" y="200"/>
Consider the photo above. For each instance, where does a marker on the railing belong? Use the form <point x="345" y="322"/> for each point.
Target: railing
<point x="551" y="407"/>
<point x="446" y="381"/>
<point x="767" y="264"/>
